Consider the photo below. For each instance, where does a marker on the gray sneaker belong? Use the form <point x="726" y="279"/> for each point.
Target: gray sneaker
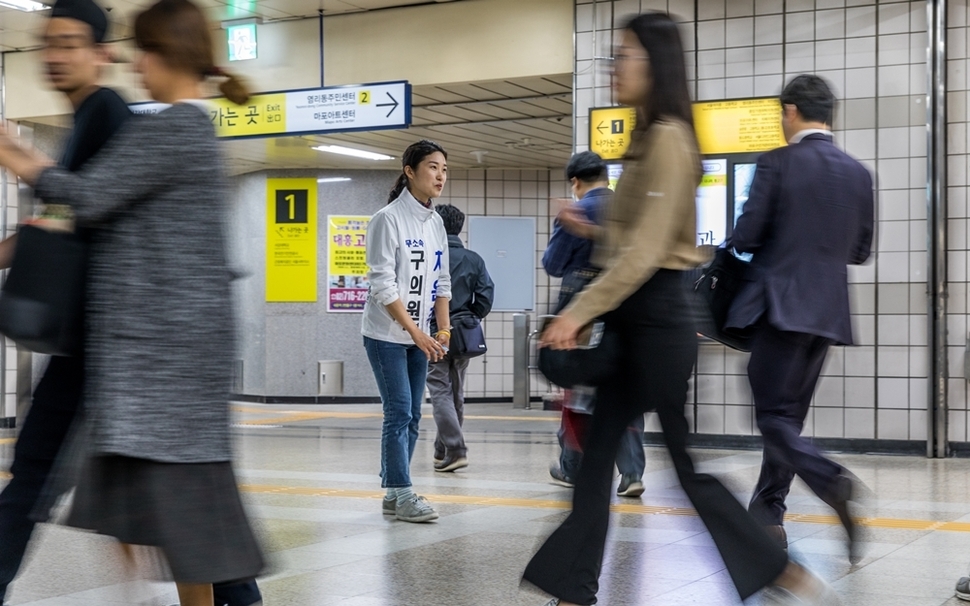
<point x="630" y="486"/>
<point x="963" y="589"/>
<point x="389" y="507"/>
<point x="416" y="509"/>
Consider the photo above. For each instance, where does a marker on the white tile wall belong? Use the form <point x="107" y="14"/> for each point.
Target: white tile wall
<point x="508" y="193"/>
<point x="11" y="192"/>
<point x="874" y="55"/>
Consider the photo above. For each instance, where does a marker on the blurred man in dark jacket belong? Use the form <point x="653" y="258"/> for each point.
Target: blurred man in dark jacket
<point x="472" y="292"/>
<point x="568" y="257"/>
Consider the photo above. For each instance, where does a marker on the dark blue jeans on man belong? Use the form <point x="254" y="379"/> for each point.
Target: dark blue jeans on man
<point x="630" y="458"/>
<point x="401" y="372"/>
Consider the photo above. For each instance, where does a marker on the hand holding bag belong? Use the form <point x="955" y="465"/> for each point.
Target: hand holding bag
<point x="714" y="292"/>
<point x="42" y="300"/>
<point x="593" y="362"/>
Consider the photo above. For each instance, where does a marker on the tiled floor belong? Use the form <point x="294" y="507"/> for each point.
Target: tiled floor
<point x="309" y="476"/>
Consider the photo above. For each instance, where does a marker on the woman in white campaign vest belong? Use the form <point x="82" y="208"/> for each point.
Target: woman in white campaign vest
<point x="407" y="257"/>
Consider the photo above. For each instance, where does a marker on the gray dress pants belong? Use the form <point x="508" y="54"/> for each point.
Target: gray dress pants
<point x="446" y="383"/>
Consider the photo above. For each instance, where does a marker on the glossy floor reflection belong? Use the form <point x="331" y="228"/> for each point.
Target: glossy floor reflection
<point x="309" y="477"/>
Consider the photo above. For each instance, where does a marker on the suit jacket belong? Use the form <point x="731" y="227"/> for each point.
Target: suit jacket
<point x="809" y="214"/>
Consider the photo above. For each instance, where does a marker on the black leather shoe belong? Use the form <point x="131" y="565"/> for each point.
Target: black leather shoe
<point x="451" y="463"/>
<point x="841" y="494"/>
<point x="778" y="535"/>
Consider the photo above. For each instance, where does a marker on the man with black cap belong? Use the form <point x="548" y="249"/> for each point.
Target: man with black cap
<point x="74" y="55"/>
<point x="568" y="257"/>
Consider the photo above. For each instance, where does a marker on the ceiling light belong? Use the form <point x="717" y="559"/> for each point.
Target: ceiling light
<point x="333" y="180"/>
<point x="349" y="151"/>
<point x="27" y="6"/>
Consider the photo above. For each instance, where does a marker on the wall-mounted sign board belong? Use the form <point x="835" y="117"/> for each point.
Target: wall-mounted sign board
<point x="736" y="126"/>
<point x="291" y="240"/>
<point x="361" y="107"/>
<point x="609" y="130"/>
<point x="739" y="126"/>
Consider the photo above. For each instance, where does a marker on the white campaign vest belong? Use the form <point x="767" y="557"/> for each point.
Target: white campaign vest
<point x="407" y="259"/>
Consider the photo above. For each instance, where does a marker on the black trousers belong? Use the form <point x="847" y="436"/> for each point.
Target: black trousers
<point x="658" y="353"/>
<point x="784" y="369"/>
<point x="56" y="402"/>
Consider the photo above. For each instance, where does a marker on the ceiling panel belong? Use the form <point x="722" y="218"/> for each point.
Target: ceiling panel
<point x="122" y="12"/>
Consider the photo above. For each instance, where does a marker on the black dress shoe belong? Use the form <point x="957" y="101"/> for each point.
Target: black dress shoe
<point x="841" y="494"/>
<point x="778" y="535"/>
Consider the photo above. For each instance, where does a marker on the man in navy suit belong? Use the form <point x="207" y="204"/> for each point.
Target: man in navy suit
<point x="808" y="215"/>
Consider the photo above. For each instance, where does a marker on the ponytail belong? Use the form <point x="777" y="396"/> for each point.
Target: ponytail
<point x="413" y="155"/>
<point x="398" y="188"/>
<point x="232" y="87"/>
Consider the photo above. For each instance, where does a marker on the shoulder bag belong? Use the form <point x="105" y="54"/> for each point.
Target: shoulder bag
<point x="714" y="291"/>
<point x="594" y="361"/>
<point x="467" y="336"/>
<point x="42" y="300"/>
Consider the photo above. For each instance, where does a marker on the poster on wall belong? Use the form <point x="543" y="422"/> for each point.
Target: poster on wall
<point x="291" y="240"/>
<point x="738" y="126"/>
<point x="712" y="204"/>
<point x="347" y="284"/>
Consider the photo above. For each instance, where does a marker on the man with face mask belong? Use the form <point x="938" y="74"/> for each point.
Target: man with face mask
<point x="568" y="257"/>
<point x="74" y="56"/>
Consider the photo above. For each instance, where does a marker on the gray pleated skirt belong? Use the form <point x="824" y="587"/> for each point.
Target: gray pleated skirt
<point x="190" y="511"/>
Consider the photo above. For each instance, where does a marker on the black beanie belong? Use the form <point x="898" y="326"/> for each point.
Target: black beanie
<point x="86" y="11"/>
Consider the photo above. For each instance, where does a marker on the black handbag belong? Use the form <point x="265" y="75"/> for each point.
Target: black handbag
<point x="714" y="291"/>
<point x="42" y="300"/>
<point x="594" y="361"/>
<point x="467" y="336"/>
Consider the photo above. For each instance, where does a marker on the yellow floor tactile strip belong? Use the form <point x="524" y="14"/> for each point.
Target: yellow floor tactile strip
<point x="294" y="416"/>
<point x="635" y="509"/>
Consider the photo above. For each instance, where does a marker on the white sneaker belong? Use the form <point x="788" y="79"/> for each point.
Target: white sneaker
<point x="416" y="510"/>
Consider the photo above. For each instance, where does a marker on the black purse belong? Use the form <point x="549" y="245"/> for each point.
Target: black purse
<point x="594" y="361"/>
<point x="467" y="336"/>
<point x="714" y="291"/>
<point x="42" y="300"/>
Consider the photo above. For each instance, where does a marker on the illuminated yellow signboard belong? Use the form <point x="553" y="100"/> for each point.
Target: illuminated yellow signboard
<point x="291" y="240"/>
<point x="261" y="115"/>
<point x="739" y="126"/>
<point x="610" y="129"/>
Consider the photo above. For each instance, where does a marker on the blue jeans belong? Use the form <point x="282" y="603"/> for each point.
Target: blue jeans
<point x="630" y="458"/>
<point x="401" y="371"/>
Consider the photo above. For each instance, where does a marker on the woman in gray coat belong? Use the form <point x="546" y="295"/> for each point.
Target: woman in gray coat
<point x="160" y="327"/>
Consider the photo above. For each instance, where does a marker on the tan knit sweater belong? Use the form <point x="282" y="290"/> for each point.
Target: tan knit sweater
<point x="651" y="222"/>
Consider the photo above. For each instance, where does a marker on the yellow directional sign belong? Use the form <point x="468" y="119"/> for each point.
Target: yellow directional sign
<point x="609" y="130"/>
<point x="291" y="240"/>
<point x="326" y="110"/>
